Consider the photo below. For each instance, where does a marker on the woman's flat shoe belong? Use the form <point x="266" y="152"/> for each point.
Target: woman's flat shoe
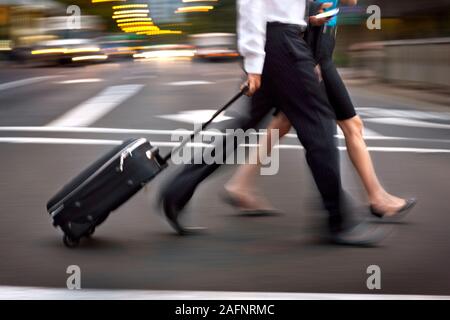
<point x="399" y="214"/>
<point x="236" y="203"/>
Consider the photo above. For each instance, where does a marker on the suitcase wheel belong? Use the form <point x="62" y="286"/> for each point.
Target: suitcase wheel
<point x="90" y="232"/>
<point x="69" y="242"/>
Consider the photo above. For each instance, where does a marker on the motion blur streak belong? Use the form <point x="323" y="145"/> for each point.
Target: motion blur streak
<point x="91" y="57"/>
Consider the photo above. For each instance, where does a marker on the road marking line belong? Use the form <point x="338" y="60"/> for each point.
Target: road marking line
<point x="80" y="81"/>
<point x="35" y="293"/>
<point x="96" y="107"/>
<point x="409" y="123"/>
<point x="195" y="116"/>
<point x="189" y="83"/>
<point x="376" y="112"/>
<point x="374" y="149"/>
<point x="400" y="149"/>
<point x="23" y="82"/>
<point x="170" y="132"/>
<point x="43" y="140"/>
<point x="93" y="130"/>
<point x="39" y="140"/>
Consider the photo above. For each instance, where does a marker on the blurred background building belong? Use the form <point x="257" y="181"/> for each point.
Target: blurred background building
<point x="163" y="11"/>
<point x="411" y="46"/>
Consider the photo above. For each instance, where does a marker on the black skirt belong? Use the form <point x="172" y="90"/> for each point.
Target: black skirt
<point x="336" y="91"/>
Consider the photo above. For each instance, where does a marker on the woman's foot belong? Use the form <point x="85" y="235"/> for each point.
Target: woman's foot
<point x="247" y="201"/>
<point x="389" y="206"/>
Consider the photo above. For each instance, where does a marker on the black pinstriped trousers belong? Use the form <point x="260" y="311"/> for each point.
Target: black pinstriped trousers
<point x="289" y="83"/>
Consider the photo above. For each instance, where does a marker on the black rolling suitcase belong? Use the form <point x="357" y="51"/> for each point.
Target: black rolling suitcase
<point x="87" y="200"/>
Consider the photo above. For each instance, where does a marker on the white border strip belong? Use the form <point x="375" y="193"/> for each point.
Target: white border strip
<point x="34" y="293"/>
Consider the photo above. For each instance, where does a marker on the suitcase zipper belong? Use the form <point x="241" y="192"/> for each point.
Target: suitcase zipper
<point x="57" y="208"/>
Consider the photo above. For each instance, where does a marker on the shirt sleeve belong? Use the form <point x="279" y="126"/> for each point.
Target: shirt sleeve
<point x="252" y="34"/>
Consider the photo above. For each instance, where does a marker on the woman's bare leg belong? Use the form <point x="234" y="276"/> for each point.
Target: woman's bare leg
<point x="379" y="198"/>
<point x="241" y="186"/>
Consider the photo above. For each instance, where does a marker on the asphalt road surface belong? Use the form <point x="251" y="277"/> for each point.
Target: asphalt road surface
<point x="40" y="150"/>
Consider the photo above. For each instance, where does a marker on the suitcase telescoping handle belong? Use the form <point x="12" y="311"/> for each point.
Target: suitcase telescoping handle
<point x="207" y="123"/>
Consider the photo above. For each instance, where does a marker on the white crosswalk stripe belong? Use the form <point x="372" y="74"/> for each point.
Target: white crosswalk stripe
<point x="409" y="123"/>
<point x="402" y="113"/>
<point x="76" y="81"/>
<point x="189" y="83"/>
<point x="195" y="116"/>
<point x="93" y="109"/>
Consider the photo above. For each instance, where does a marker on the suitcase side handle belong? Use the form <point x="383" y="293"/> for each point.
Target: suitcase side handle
<point x="242" y="92"/>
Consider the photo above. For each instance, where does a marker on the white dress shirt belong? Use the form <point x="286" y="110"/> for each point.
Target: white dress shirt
<point x="253" y="17"/>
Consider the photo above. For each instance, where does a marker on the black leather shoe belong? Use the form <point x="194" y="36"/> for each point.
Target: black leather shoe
<point x="361" y="235"/>
<point x="172" y="214"/>
<point x="399" y="214"/>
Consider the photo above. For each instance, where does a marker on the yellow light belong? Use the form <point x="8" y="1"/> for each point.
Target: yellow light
<point x="129" y="6"/>
<point x="135" y="24"/>
<point x="159" y="32"/>
<point x="122" y="52"/>
<point x="133" y="20"/>
<point x="129" y="49"/>
<point x="5" y="45"/>
<point x="231" y="54"/>
<point x="133" y="29"/>
<point x="130" y="11"/>
<point x="92" y="57"/>
<point x="134" y="15"/>
<point x="37" y="38"/>
<point x="49" y="51"/>
<point x="152" y="27"/>
<point x="79" y="50"/>
<point x="194" y="9"/>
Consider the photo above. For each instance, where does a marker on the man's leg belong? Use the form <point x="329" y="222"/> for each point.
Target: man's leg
<point x="290" y="66"/>
<point x="180" y="187"/>
<point x="304" y="102"/>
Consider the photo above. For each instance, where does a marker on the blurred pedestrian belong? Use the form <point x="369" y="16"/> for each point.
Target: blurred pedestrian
<point x="280" y="73"/>
<point x="241" y="190"/>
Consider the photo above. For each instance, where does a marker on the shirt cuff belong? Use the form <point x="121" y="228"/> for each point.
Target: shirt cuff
<point x="254" y="64"/>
